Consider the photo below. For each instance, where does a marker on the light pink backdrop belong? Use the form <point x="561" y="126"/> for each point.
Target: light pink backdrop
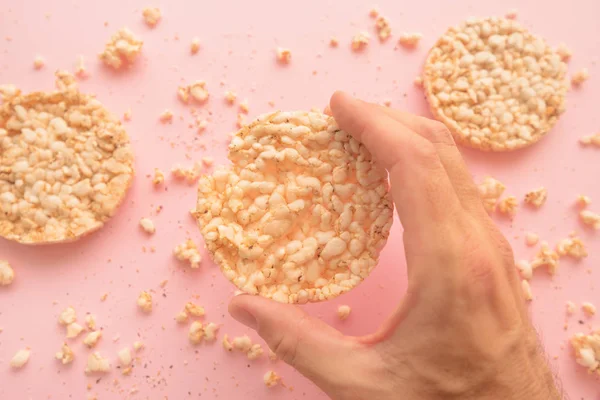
<point x="238" y="44"/>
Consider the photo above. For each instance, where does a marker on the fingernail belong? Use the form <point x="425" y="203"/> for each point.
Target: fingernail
<point x="244" y="317"/>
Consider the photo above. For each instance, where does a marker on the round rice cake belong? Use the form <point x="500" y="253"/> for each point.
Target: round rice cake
<point x="303" y="212"/>
<point x="65" y="164"/>
<point x="495" y="85"/>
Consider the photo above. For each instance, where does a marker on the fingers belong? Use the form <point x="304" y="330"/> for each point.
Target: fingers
<point x="421" y="188"/>
<point x="315" y="349"/>
<point x="450" y="156"/>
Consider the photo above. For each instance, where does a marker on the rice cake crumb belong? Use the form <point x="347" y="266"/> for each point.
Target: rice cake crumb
<point x="418" y="81"/>
<point x="546" y="257"/>
<point x="196" y="91"/>
<point x="410" y="40"/>
<point x="284" y="56"/>
<point x="188" y="251"/>
<point x="593" y="140"/>
<point x="590" y="218"/>
<point x="583" y="200"/>
<point x="39" y="62"/>
<point x="254" y="352"/>
<point x="127" y="115"/>
<point x="525" y="269"/>
<point x="195" y="45"/>
<point x="586" y="348"/>
<point x="144" y="302"/>
<point x="159" y="177"/>
<point x="124" y="356"/>
<point x="73" y="330"/>
<point x="190" y="174"/>
<point x="343" y="312"/>
<point x="564" y="52"/>
<point x="536" y="197"/>
<point x="527" y="293"/>
<point x="512" y="13"/>
<point x="334" y="42"/>
<point x="65" y="199"/>
<point x="67" y="316"/>
<point x="271" y="379"/>
<point x="151" y="16"/>
<point x="166" y="116"/>
<point x="508" y="206"/>
<point x="92" y="338"/>
<point x="479" y="80"/>
<point x="227" y="345"/>
<point x="123" y="46"/>
<point x="360" y="41"/>
<point x="572" y="246"/>
<point x="196" y="333"/>
<point x="531" y="239"/>
<point x="181" y="317"/>
<point x="97" y="364"/>
<point x="194" y="309"/>
<point x="80" y="70"/>
<point x="230" y="97"/>
<point x="210" y="331"/>
<point x="571" y="307"/>
<point x="147" y="225"/>
<point x="580" y="76"/>
<point x="7" y="274"/>
<point x="90" y="321"/>
<point x="244" y="107"/>
<point x="373" y="13"/>
<point x="490" y="191"/>
<point x="384" y="30"/>
<point x="207" y="161"/>
<point x="326" y="176"/>
<point x="589" y="309"/>
<point x="20" y="358"/>
<point x="65" y="355"/>
<point x="242" y="343"/>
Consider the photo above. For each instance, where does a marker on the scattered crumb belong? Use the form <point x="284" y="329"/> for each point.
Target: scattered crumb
<point x="593" y="140"/>
<point x="536" y="197"/>
<point x="159" y="177"/>
<point x="410" y="39"/>
<point x="564" y="52"/>
<point x="68" y="316"/>
<point x="80" y="70"/>
<point x="144" y="302"/>
<point x="125" y="356"/>
<point x="526" y="290"/>
<point x="226" y="343"/>
<point x="230" y="97"/>
<point x="284" y="56"/>
<point x="360" y="41"/>
<point x="73" y="330"/>
<point x="374" y="13"/>
<point x="20" y="358"/>
<point x="96" y="363"/>
<point x="590" y="218"/>
<point x="147" y="225"/>
<point x="343" y="311"/>
<point x="196" y="91"/>
<point x="210" y="331"/>
<point x="580" y="76"/>
<point x="195" y="45"/>
<point x="418" y="81"/>
<point x="190" y="174"/>
<point x="92" y="338"/>
<point x="571" y="307"/>
<point x="584" y="201"/>
<point x="244" y="107"/>
<point x="546" y="257"/>
<point x="138" y="346"/>
<point x="123" y="46"/>
<point x="39" y="62"/>
<point x="104" y="297"/>
<point x="196" y="333"/>
<point x="588" y="308"/>
<point x="271" y="379"/>
<point x="585" y="348"/>
<point x="166" y="116"/>
<point x="490" y="191"/>
<point x="90" y="321"/>
<point x="127" y="115"/>
<point x="531" y="239"/>
<point x="151" y="16"/>
<point x="512" y="13"/>
<point x="508" y="206"/>
<point x="382" y="25"/>
<point x="7" y="274"/>
<point x="334" y="42"/>
<point x="181" y="317"/>
<point x="65" y="355"/>
<point x="242" y="343"/>
<point x="525" y="269"/>
<point x="254" y="352"/>
<point x="572" y="246"/>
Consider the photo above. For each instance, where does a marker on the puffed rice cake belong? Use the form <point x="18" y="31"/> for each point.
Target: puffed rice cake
<point x="302" y="214"/>
<point x="65" y="164"/>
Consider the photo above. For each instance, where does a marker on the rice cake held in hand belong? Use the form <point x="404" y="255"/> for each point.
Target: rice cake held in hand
<point x="303" y="212"/>
<point x="65" y="165"/>
<point x="496" y="86"/>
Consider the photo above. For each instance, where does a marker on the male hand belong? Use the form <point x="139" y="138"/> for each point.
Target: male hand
<point x="462" y="331"/>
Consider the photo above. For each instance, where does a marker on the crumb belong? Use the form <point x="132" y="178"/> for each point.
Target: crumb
<point x="166" y="116"/>
<point x="80" y="70"/>
<point x="103" y="297"/>
<point x="580" y="76"/>
<point x="584" y="201"/>
<point x="508" y="206"/>
<point x="512" y="13"/>
<point x="138" y="345"/>
<point x="230" y="97"/>
<point x="190" y="174"/>
<point x="20" y="358"/>
<point x="127" y="115"/>
<point x="147" y="225"/>
<point x="90" y="321"/>
<point x="410" y="39"/>
<point x="343" y="312"/>
<point x="196" y="333"/>
<point x="564" y="52"/>
<point x="271" y="379"/>
<point x="374" y="13"/>
<point x="526" y="290"/>
<point x="65" y="355"/>
<point x="383" y="28"/>
<point x="531" y="239"/>
<point x="151" y="16"/>
<point x="418" y="81"/>
<point x="159" y="177"/>
<point x="571" y="307"/>
<point x="195" y="45"/>
<point x="589" y="309"/>
<point x="284" y="56"/>
<point x="181" y="317"/>
<point x="536" y="197"/>
<point x="39" y="62"/>
<point x="360" y="41"/>
<point x="194" y="309"/>
<point x="123" y="46"/>
<point x="144" y="302"/>
<point x="92" y="338"/>
<point x="334" y="42"/>
<point x="244" y="106"/>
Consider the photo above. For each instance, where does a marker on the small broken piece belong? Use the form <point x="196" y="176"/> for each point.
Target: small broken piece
<point x="580" y="76"/>
<point x="563" y="52"/>
<point x="90" y="321"/>
<point x="526" y="290"/>
<point x="284" y="56"/>
<point x="271" y="379"/>
<point x="97" y="363"/>
<point x="151" y="16"/>
<point x="227" y="345"/>
<point x="122" y="47"/>
<point x="188" y="251"/>
<point x="194" y="309"/>
<point x="147" y="225"/>
<point x="196" y="333"/>
<point x="68" y="316"/>
<point x="210" y="331"/>
<point x="410" y="40"/>
<point x="571" y="307"/>
<point x="138" y="345"/>
<point x="536" y="197"/>
<point x="382" y="25"/>
<point x="20" y="358"/>
<point x="508" y="206"/>
<point x="39" y="62"/>
<point x="589" y="309"/>
<point x="343" y="312"/>
<point x="195" y="45"/>
<point x="7" y="274"/>
<point x="525" y="269"/>
<point x="125" y="356"/>
<point x="334" y="42"/>
<point x="586" y="350"/>
<point x="159" y="177"/>
<point x="360" y="41"/>
<point x="73" y="330"/>
<point x="92" y="338"/>
<point x="590" y="218"/>
<point x="230" y="97"/>
<point x="531" y="239"/>
<point x="80" y="70"/>
<point x="196" y="91"/>
<point x="572" y="246"/>
<point x="166" y="116"/>
<point x="490" y="191"/>
<point x="546" y="257"/>
<point x="144" y="302"/>
<point x="181" y="317"/>
<point x="254" y="352"/>
<point x="593" y="140"/>
<point x="65" y="355"/>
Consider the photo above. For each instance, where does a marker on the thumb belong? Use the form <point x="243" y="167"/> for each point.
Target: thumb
<point x="316" y="350"/>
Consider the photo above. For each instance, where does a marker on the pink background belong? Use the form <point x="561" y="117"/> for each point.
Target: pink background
<point x="238" y="44"/>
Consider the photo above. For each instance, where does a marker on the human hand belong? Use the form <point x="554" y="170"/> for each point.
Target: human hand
<point x="462" y="330"/>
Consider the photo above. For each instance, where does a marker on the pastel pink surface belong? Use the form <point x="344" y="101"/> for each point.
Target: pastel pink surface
<point x="238" y="53"/>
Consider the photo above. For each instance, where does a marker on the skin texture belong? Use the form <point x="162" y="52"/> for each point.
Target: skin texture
<point x="462" y="331"/>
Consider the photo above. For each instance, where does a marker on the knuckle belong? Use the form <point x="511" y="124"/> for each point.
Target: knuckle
<point x="438" y="133"/>
<point x="286" y="344"/>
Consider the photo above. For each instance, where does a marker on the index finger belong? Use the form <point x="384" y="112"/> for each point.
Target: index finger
<point x="422" y="192"/>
